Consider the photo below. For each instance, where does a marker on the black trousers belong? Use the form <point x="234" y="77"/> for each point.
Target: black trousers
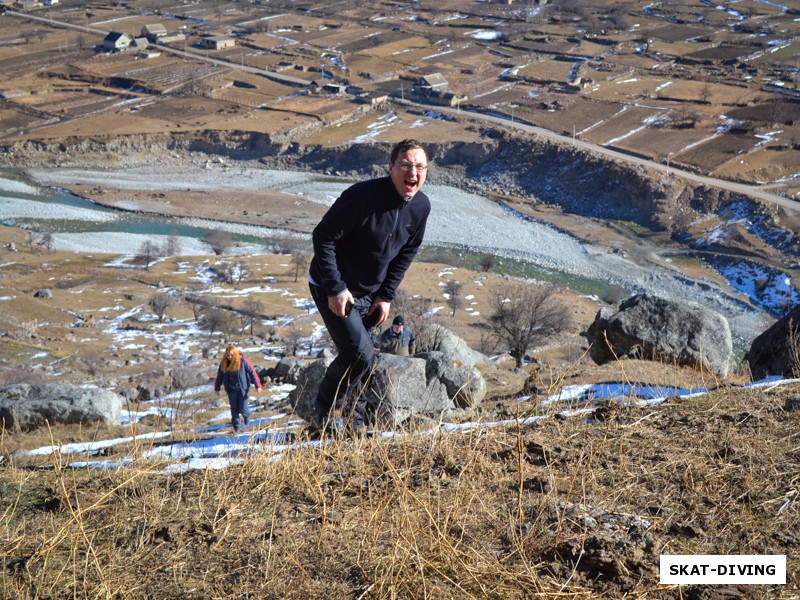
<point x="349" y="372"/>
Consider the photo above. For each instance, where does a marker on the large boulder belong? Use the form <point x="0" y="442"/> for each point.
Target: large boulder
<point x="399" y="389"/>
<point x="304" y="395"/>
<point x="27" y="406"/>
<point x="288" y="369"/>
<point x="652" y="328"/>
<point x="428" y="384"/>
<point x="464" y="384"/>
<point x="777" y="350"/>
<point x="441" y="339"/>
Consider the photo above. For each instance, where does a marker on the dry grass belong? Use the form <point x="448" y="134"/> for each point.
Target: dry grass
<point x="561" y="508"/>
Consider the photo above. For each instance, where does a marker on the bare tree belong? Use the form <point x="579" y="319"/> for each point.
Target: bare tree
<point x="195" y="299"/>
<point x="522" y="315"/>
<point x="149" y="251"/>
<point x="285" y="243"/>
<point x="300" y="261"/>
<point x="454" y="299"/>
<point x="292" y="338"/>
<point x="487" y="261"/>
<point x="250" y="313"/>
<point x="172" y="245"/>
<point x="705" y="92"/>
<point x="45" y="240"/>
<point x="160" y="303"/>
<point x="219" y="240"/>
<point x="239" y="272"/>
<point x="618" y="17"/>
<point x="215" y="319"/>
<point x="793" y="341"/>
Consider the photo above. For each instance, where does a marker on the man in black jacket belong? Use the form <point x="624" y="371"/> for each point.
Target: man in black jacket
<point x="362" y="248"/>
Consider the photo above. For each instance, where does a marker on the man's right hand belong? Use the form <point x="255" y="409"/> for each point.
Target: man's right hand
<point x="339" y="303"/>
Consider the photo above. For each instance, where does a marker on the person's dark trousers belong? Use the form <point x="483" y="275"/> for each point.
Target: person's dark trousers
<point x="238" y="402"/>
<point x="351" y="368"/>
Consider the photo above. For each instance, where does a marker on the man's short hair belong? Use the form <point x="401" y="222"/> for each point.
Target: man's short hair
<point x="405" y="146"/>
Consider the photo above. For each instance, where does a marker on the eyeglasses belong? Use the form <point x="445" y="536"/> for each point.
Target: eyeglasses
<point x="407" y="166"/>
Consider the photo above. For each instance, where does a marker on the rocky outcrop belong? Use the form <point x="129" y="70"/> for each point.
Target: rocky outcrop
<point x="777" y="350"/>
<point x="24" y="406"/>
<point x="652" y="328"/>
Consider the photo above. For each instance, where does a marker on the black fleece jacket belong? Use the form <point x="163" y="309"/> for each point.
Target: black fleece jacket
<point x="367" y="239"/>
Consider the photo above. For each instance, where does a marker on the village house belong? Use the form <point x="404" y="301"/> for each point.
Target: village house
<point x="116" y="41"/>
<point x="335" y="88"/>
<point x="429" y="84"/>
<point x="374" y="99"/>
<point x="217" y="42"/>
<point x="154" y="32"/>
<point x="447" y="99"/>
<point x="140" y="43"/>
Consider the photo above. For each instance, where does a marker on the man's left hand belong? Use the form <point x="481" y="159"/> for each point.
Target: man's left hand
<point x="379" y="310"/>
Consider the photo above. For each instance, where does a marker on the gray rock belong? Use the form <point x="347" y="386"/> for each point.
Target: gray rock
<point x="43" y="293"/>
<point x="27" y="406"/>
<point x="399" y="389"/>
<point x="445" y="341"/>
<point x="428" y="384"/>
<point x="464" y="384"/>
<point x="288" y="369"/>
<point x="304" y="395"/>
<point x="777" y="350"/>
<point x="792" y="403"/>
<point x="652" y="328"/>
